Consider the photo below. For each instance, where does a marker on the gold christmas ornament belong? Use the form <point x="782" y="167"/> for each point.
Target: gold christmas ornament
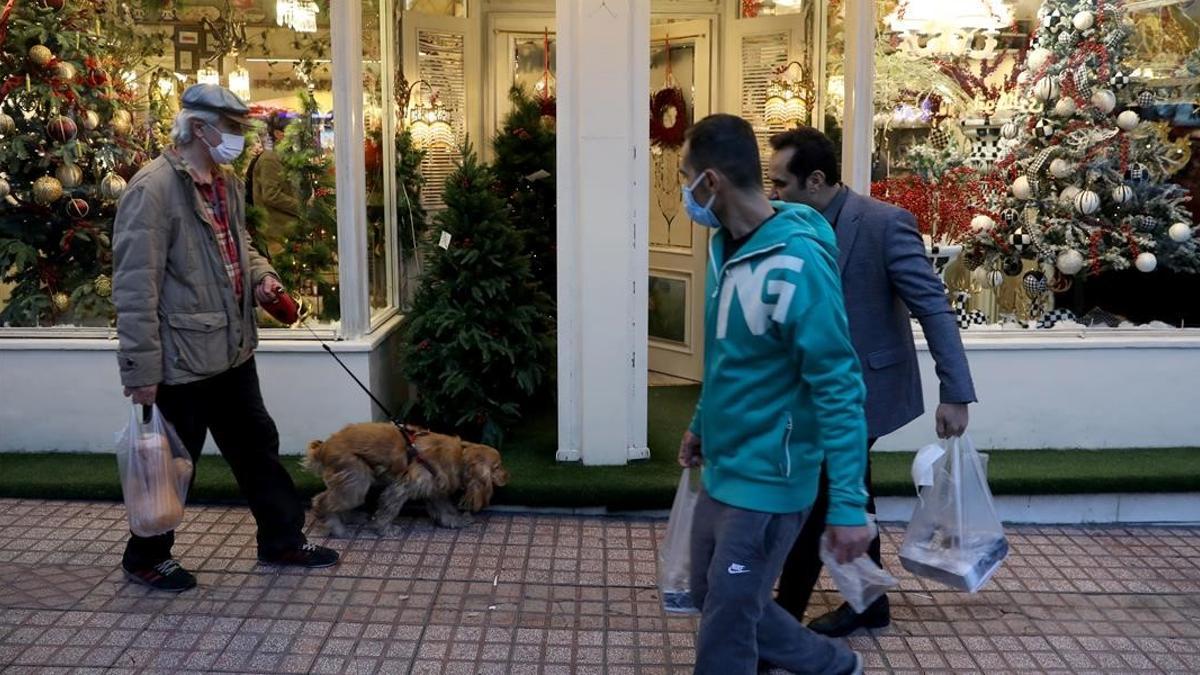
<point x="90" y="120"/>
<point x="5" y="189"/>
<point x="47" y="190"/>
<point x="7" y="124"/>
<point x="62" y="301"/>
<point x="41" y="55"/>
<point x="70" y="175"/>
<point x="121" y="125"/>
<point x="103" y="286"/>
<point x="112" y="186"/>
<point x="122" y="115"/>
<point x="65" y="71"/>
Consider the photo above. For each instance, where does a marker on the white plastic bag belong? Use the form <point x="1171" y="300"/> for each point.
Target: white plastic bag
<point x="860" y="581"/>
<point x="156" y="471"/>
<point x="675" y="553"/>
<point x="955" y="536"/>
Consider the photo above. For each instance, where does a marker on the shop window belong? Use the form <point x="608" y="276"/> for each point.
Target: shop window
<point x="439" y="107"/>
<point x="148" y="53"/>
<point x="762" y="55"/>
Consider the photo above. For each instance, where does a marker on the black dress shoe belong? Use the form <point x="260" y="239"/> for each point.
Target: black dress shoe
<point x="844" y="620"/>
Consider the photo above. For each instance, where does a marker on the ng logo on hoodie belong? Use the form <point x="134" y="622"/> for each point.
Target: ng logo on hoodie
<point x="750" y="284"/>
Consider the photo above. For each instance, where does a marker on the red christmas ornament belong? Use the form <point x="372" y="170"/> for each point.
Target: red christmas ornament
<point x="78" y="208"/>
<point x="53" y="4"/>
<point x="62" y="129"/>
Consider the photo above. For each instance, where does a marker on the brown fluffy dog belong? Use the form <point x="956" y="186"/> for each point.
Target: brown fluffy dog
<point x="362" y="455"/>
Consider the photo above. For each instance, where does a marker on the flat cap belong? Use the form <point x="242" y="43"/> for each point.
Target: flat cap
<point x="217" y="99"/>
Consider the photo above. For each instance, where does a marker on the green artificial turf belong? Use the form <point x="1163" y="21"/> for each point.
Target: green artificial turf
<point x="538" y="480"/>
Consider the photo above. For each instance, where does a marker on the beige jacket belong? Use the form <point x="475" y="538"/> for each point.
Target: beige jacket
<point x="178" y="319"/>
<point x="277" y="195"/>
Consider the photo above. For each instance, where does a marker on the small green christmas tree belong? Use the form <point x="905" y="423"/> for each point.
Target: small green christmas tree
<point x="525" y="176"/>
<point x="475" y="345"/>
<point x="308" y="261"/>
<point x="68" y="143"/>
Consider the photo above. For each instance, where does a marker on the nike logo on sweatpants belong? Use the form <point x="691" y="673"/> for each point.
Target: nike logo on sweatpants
<point x="735" y="568"/>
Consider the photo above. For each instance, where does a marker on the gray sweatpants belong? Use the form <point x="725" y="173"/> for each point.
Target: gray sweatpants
<point x="737" y="555"/>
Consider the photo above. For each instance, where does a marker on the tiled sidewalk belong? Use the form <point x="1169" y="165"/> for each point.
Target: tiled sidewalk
<point x="548" y="594"/>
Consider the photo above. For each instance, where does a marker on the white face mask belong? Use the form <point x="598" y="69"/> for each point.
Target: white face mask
<point x="231" y="147"/>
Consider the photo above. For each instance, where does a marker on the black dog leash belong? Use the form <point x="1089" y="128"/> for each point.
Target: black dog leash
<point x="405" y="430"/>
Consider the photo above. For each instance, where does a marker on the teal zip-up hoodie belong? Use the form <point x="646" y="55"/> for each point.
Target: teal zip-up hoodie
<point x="783" y="390"/>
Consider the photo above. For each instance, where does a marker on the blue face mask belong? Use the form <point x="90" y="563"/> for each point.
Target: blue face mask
<point x="701" y="215"/>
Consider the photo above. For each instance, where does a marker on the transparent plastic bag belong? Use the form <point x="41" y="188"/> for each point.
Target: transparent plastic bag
<point x="860" y="581"/>
<point x="675" y="553"/>
<point x="156" y="472"/>
<point x="955" y="536"/>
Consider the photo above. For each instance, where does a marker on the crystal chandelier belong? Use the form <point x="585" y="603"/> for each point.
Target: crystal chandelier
<point x="239" y="83"/>
<point x="788" y="97"/>
<point x="208" y="75"/>
<point x="930" y="28"/>
<point x="299" y="15"/>
<point x="429" y="123"/>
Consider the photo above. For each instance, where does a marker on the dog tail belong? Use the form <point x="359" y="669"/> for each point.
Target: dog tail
<point x="312" y="460"/>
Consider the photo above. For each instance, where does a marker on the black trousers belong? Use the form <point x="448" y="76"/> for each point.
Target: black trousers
<point x="803" y="566"/>
<point x="230" y="406"/>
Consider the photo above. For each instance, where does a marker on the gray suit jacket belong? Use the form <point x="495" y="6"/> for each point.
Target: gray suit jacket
<point x="887" y="279"/>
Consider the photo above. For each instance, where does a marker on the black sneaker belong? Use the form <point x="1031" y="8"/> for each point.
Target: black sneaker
<point x="308" y="555"/>
<point x="844" y="620"/>
<point x="168" y="576"/>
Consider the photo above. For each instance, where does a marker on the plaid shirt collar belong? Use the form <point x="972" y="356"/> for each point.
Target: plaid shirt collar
<point x="213" y="207"/>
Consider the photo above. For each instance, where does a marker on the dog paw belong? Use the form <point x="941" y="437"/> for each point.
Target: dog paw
<point x="385" y="530"/>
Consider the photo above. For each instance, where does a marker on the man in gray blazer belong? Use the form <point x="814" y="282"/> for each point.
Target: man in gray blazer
<point x="886" y="279"/>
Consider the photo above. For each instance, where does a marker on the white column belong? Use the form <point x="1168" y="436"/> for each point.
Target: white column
<point x="603" y="201"/>
<point x="858" y="129"/>
<point x="345" y="17"/>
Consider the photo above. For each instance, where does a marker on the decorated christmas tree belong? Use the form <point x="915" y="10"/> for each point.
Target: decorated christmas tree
<point x="308" y="261"/>
<point x="475" y="341"/>
<point x="1089" y="181"/>
<point x="525" y="170"/>
<point x="68" y="144"/>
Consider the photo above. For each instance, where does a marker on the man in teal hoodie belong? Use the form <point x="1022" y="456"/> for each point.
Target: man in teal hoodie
<point x="783" y="395"/>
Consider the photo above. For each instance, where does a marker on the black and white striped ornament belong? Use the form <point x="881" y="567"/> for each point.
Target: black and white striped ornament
<point x="1138" y="172"/>
<point x="1087" y="202"/>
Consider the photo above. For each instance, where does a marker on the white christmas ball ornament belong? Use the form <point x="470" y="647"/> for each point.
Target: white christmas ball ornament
<point x="1146" y="262"/>
<point x="1061" y="168"/>
<point x="1046" y="89"/>
<point x="1037" y="58"/>
<point x="1010" y="130"/>
<point x="996" y="278"/>
<point x="1087" y="202"/>
<point x="1084" y="20"/>
<point x="1070" y="262"/>
<point x="982" y="223"/>
<point x="1180" y="232"/>
<point x="1104" y="100"/>
<point x="1021" y="188"/>
<point x="1065" y="107"/>
<point x="1068" y="195"/>
<point x="1128" y="120"/>
<point x="1122" y="194"/>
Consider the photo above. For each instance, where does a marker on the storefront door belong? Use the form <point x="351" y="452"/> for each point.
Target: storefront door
<point x="680" y="60"/>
